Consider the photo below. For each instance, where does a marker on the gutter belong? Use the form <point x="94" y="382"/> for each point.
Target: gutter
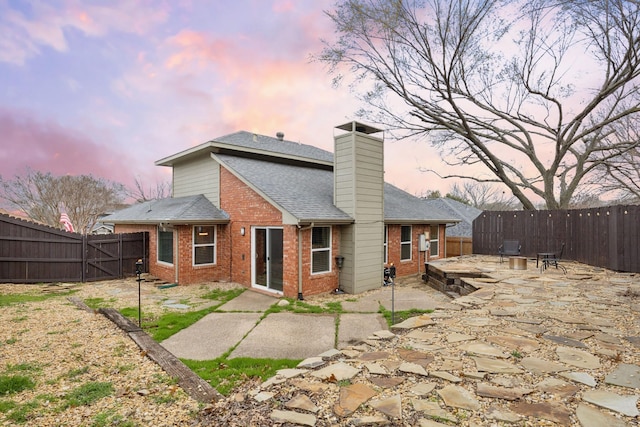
<point x="300" y="230"/>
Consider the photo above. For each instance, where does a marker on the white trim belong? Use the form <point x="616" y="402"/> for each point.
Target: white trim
<point x="324" y="249"/>
<point x="252" y="236"/>
<point x="173" y="243"/>
<point x="404" y="242"/>
<point x="434" y="243"/>
<point x="385" y="244"/>
<point x="194" y="246"/>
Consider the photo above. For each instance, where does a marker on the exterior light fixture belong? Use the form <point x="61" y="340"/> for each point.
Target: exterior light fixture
<point x="242" y="231"/>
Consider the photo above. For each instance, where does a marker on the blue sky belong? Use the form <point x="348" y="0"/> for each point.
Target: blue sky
<point x="108" y="87"/>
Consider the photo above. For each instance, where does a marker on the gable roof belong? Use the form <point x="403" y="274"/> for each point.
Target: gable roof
<point x="298" y="179"/>
<point x="463" y="211"/>
<point x="174" y="210"/>
<point x="307" y="193"/>
<point x="275" y="146"/>
<point x="250" y="145"/>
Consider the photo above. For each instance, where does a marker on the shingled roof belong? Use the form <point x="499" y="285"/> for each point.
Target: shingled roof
<point x="247" y="144"/>
<point x="466" y="213"/>
<point x="402" y="207"/>
<point x="174" y="210"/>
<point x="296" y="178"/>
<point x="275" y="145"/>
<point x="307" y="193"/>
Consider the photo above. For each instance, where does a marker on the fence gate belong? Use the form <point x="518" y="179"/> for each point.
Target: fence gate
<point x="112" y="256"/>
<point x="33" y="253"/>
<point x="102" y="257"/>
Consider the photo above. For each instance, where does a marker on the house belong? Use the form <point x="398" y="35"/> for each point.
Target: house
<point x="102" y="228"/>
<point x="466" y="214"/>
<point x="459" y="235"/>
<point x="284" y="217"/>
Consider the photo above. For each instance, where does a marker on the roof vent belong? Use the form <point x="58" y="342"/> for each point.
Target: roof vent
<point x="280" y="136"/>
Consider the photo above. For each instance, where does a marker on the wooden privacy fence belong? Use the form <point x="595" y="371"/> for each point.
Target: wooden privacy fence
<point x="607" y="237"/>
<point x="33" y="253"/>
<point x="457" y="246"/>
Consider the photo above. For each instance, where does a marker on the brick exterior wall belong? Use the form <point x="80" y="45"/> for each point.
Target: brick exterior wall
<point x="416" y="263"/>
<point x="189" y="273"/>
<point x="314" y="284"/>
<point x="247" y="208"/>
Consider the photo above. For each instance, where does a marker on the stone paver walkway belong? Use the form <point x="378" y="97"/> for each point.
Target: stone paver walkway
<point x="526" y="348"/>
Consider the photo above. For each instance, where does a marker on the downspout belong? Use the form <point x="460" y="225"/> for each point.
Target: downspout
<point x="300" y="230"/>
<point x="230" y="234"/>
<point x="176" y="253"/>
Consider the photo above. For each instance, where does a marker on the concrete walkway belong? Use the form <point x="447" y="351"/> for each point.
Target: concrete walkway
<point x="240" y="328"/>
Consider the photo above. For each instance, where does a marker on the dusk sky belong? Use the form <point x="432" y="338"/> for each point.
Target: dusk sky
<point x="108" y="87"/>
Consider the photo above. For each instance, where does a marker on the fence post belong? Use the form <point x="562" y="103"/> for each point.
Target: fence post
<point x="120" y="268"/>
<point x="84" y="266"/>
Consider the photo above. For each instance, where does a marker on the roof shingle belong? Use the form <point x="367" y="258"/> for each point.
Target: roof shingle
<point x="189" y="209"/>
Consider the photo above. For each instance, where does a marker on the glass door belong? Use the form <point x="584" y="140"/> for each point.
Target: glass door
<point x="267" y="258"/>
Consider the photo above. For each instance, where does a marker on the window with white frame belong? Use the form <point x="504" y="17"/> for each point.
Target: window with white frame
<point x="165" y="245"/>
<point x="204" y="244"/>
<point x="405" y="243"/>
<point x="434" y="234"/>
<point x="385" y="246"/>
<point x="320" y="250"/>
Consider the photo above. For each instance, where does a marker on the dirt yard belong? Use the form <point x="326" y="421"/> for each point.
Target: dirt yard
<point x="63" y="348"/>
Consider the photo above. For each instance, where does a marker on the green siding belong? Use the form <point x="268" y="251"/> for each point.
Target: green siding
<point x="359" y="191"/>
<point x="197" y="176"/>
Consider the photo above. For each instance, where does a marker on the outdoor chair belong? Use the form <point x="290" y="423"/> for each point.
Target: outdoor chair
<point x="509" y="248"/>
<point x="553" y="260"/>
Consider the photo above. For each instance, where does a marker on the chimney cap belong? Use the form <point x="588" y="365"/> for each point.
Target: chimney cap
<point x="280" y="136"/>
<point x="358" y="127"/>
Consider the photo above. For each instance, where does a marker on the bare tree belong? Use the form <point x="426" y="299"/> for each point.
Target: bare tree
<point x="533" y="92"/>
<point x="140" y="193"/>
<point x="41" y="196"/>
<point x="483" y="196"/>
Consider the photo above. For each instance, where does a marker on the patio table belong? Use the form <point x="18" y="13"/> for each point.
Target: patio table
<point x="545" y="257"/>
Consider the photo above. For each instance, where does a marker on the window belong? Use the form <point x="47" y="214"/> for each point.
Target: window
<point x="165" y="245"/>
<point x="405" y="243"/>
<point x="434" y="234"/>
<point x="320" y="249"/>
<point x="204" y="245"/>
<point x="384" y="247"/>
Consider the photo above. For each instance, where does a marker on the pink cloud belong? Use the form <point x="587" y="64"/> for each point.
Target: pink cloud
<point x="281" y="6"/>
<point x="48" y="147"/>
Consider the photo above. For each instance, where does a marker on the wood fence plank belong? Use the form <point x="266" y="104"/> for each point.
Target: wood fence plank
<point x="607" y="237"/>
<point x="35" y="253"/>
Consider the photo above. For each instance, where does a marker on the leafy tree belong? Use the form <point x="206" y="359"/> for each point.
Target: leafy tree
<point x="542" y="95"/>
<point x="41" y="196"/>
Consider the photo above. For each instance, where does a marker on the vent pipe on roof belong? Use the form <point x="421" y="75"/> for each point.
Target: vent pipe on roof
<point x="280" y="136"/>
